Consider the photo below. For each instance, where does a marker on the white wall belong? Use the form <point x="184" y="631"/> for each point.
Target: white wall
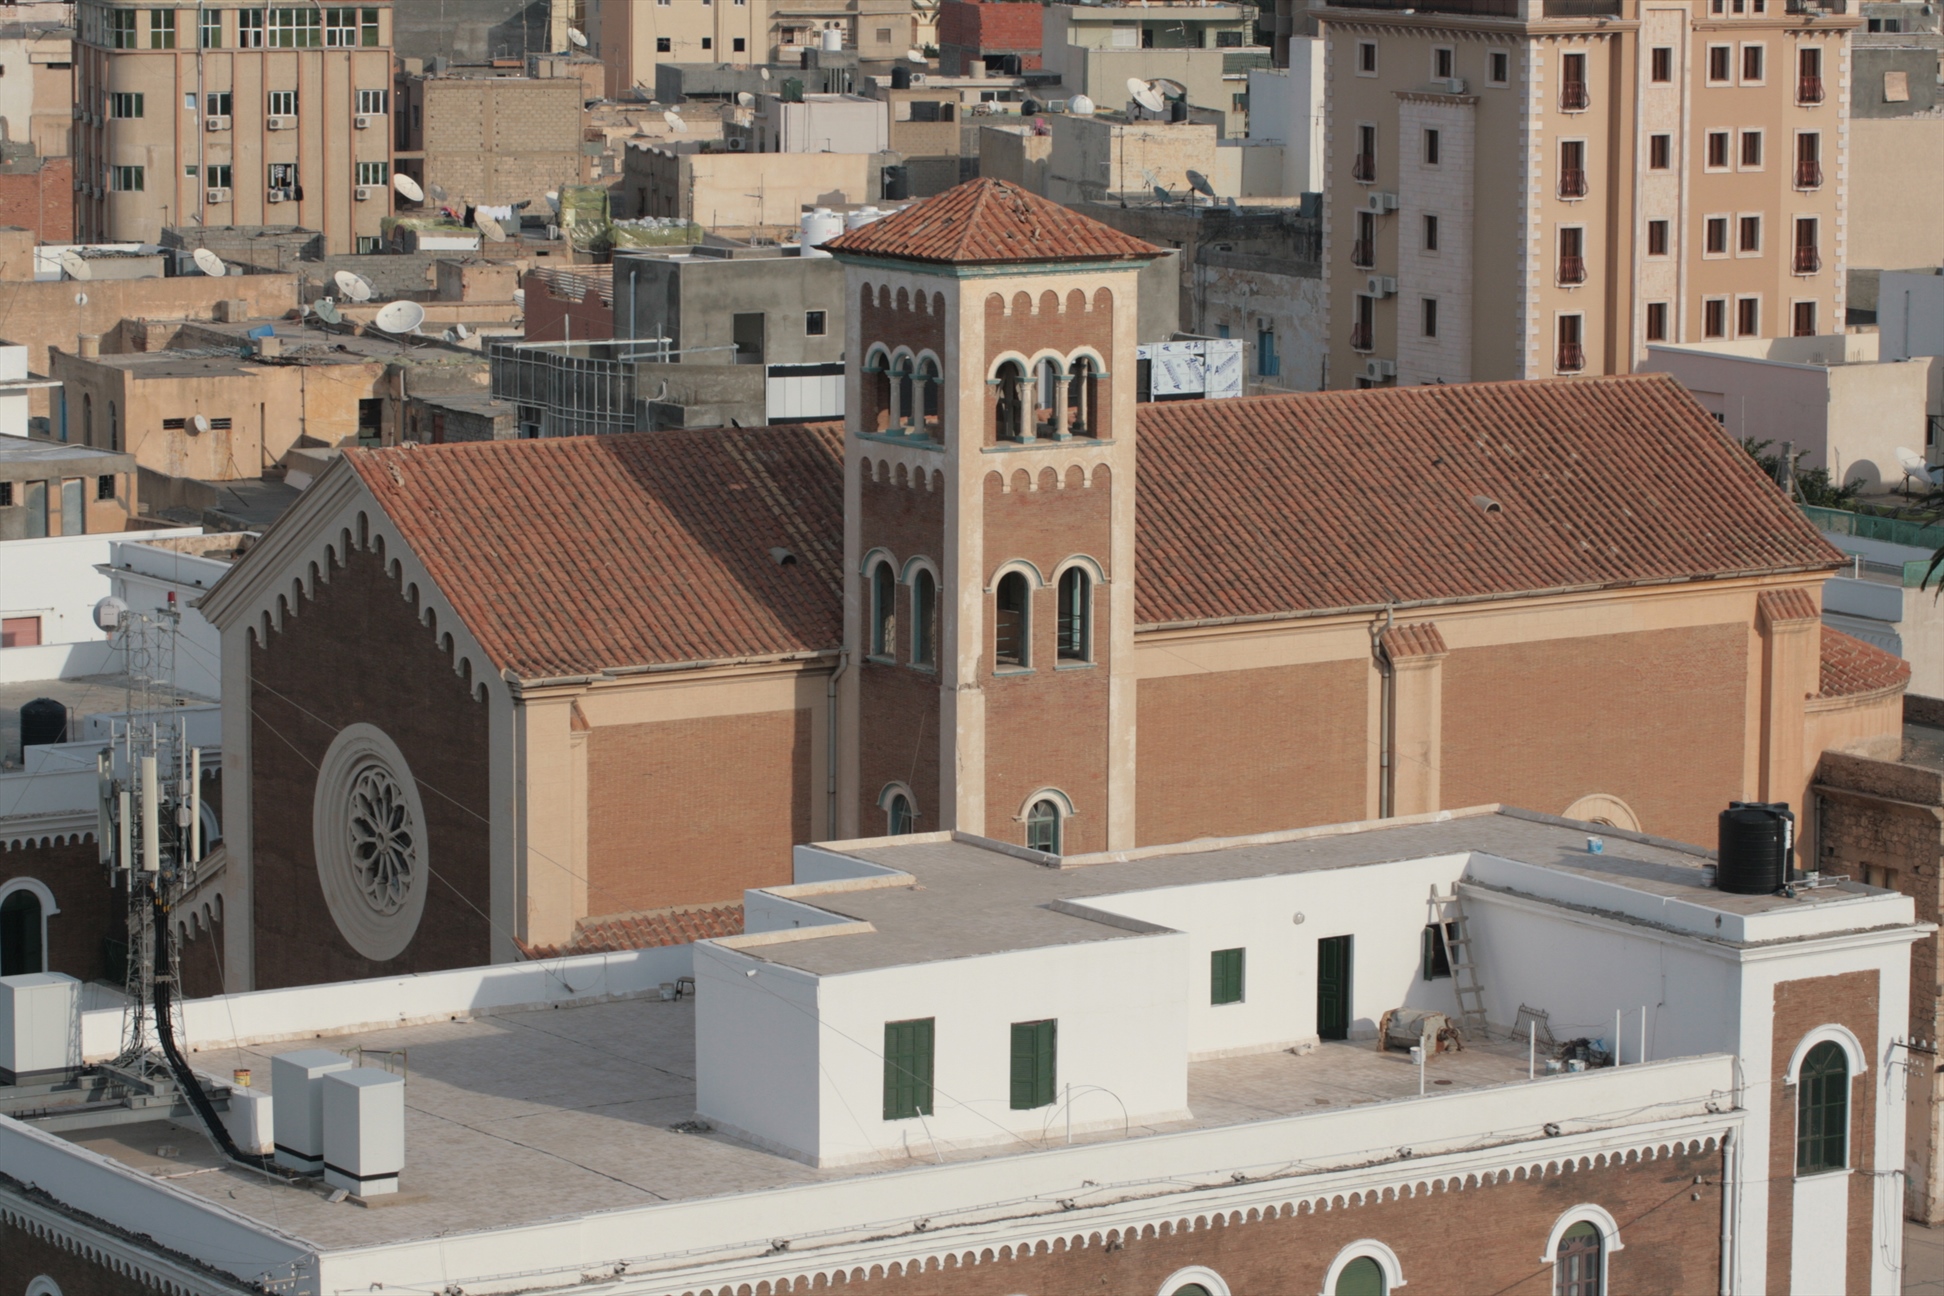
<point x="1910" y="315"/>
<point x="757" y="1051"/>
<point x="13" y="362"/>
<point x="55" y="579"/>
<point x="1286" y="104"/>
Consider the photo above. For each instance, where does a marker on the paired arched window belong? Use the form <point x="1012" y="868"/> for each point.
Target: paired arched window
<point x="1578" y="1261"/>
<point x="1043" y="826"/>
<point x="928" y="397"/>
<point x="924" y="619"/>
<point x="1010" y="412"/>
<point x="23" y="923"/>
<point x="877" y="393"/>
<point x="884" y="610"/>
<point x="903" y="377"/>
<point x="1076" y="616"/>
<point x="1083" y="390"/>
<point x="1012" y="621"/>
<point x="1822" y="1110"/>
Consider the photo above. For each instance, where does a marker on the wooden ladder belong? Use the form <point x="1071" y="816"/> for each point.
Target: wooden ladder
<point x="1454" y="931"/>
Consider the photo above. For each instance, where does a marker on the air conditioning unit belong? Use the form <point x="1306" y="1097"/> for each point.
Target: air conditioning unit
<point x="79" y="112"/>
<point x="1380" y="202"/>
<point x="281" y="123"/>
<point x="737" y="144"/>
<point x="96" y="191"/>
<point x="361" y="122"/>
<point x="1454" y="85"/>
<point x="367" y="192"/>
<point x="1380" y="370"/>
<point x="278" y="195"/>
<point x="217" y="195"/>
<point x="553" y="233"/>
<point x="213" y="124"/>
<point x="1056" y="105"/>
<point x="79" y="185"/>
<point x="1380" y="286"/>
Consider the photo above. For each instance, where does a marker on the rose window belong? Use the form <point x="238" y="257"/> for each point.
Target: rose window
<point x="382" y="837"/>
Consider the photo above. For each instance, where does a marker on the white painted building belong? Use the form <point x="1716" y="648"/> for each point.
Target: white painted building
<point x="1286" y="106"/>
<point x="1150" y="1071"/>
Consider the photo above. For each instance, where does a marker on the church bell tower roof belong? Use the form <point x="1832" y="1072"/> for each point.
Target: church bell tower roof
<point x="990" y="222"/>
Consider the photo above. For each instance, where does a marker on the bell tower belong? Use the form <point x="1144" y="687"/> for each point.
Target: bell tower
<point x="989" y="522"/>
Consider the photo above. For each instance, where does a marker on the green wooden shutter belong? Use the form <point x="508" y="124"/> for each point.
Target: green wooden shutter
<point x="1361" y="1277"/>
<point x="1034" y="1062"/>
<point x="908" y="1069"/>
<point x="1225" y="976"/>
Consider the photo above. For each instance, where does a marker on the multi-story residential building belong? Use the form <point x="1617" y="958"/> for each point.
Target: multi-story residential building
<point x="485" y="135"/>
<point x="1523" y="188"/>
<point x="204" y="115"/>
<point x="634" y="37"/>
<point x="1207" y="50"/>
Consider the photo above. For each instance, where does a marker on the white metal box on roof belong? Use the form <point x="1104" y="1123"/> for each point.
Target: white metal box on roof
<point x="364" y="1130"/>
<point x="296" y="1081"/>
<point x="40" y="1026"/>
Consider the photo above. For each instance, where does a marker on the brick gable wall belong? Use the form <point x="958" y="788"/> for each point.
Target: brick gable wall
<point x="25" y="1257"/>
<point x="41" y="200"/>
<point x="898" y="705"/>
<point x="385" y="669"/>
<point x="90" y="910"/>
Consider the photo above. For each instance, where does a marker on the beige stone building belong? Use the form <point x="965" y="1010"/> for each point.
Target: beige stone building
<point x="1522" y="188"/>
<point x="207" y="115"/>
<point x="632" y="36"/>
<point x="484" y="136"/>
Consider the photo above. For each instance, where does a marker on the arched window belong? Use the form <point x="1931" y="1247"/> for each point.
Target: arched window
<point x="1010" y="415"/>
<point x="87" y="418"/>
<point x="1076" y="616"/>
<point x="877" y="379"/>
<point x="924" y="619"/>
<point x="1082" y="388"/>
<point x="1822" y="1110"/>
<point x="1011" y="625"/>
<point x="1049" y="386"/>
<point x="1577" y="1267"/>
<point x="929" y="396"/>
<point x="21" y="927"/>
<point x="905" y="409"/>
<point x="884" y="611"/>
<point x="1361" y="1277"/>
<point x="1195" y="1280"/>
<point x="114" y="427"/>
<point x="1043" y="827"/>
<point x="900" y="818"/>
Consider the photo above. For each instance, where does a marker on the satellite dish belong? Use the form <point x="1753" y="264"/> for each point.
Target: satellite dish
<point x="1161" y="195"/>
<point x="489" y="227"/>
<point x="448" y="336"/>
<point x="408" y="188"/>
<point x="674" y="120"/>
<point x="437" y="191"/>
<point x="108" y="614"/>
<point x="400" y="317"/>
<point x="327" y="311"/>
<point x="519" y="297"/>
<point x="553" y="199"/>
<point x="199" y="424"/>
<point x="745" y="98"/>
<point x="1148" y="99"/>
<point x="576" y="38"/>
<point x="1168" y="89"/>
<point x="1080" y="105"/>
<point x="460" y="331"/>
<point x="1233" y="208"/>
<point x="763" y="73"/>
<point x="355" y="287"/>
<point x="916" y="56"/>
<point x="1199" y="183"/>
<point x="80" y="299"/>
<point x="75" y="265"/>
<point x="209" y="263"/>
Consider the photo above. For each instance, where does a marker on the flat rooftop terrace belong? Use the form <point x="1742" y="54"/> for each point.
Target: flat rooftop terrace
<point x="534" y="1115"/>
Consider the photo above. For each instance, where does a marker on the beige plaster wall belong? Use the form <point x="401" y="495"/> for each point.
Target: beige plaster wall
<point x="1896" y="191"/>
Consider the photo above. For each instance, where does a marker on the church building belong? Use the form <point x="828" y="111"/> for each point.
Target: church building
<point x="498" y="700"/>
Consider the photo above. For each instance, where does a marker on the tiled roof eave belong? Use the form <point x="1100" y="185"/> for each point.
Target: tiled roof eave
<point x="599" y="674"/>
<point x="987" y="269"/>
<point x="1497" y="596"/>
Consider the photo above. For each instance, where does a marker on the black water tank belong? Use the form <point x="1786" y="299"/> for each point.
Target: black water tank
<point x="1753" y="855"/>
<point x="1177" y="110"/>
<point x="897" y="183"/>
<point x="900" y="76"/>
<point x="42" y="721"/>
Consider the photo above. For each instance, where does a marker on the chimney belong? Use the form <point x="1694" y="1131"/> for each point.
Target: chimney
<point x="90" y="345"/>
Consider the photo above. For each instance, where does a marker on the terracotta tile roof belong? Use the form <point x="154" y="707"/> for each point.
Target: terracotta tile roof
<point x="647" y="929"/>
<point x="987" y="221"/>
<point x="1280" y="505"/>
<point x="1420" y="639"/>
<point x="1777" y="606"/>
<point x="570" y="555"/>
<point x="1850" y="666"/>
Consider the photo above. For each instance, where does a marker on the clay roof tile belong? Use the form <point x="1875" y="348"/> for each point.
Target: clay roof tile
<point x="986" y="221"/>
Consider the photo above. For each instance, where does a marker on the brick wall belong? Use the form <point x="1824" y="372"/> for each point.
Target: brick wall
<point x="90" y="910"/>
<point x="1302" y="729"/>
<point x="1800" y="1006"/>
<point x="1653" y="717"/>
<point x="41" y="200"/>
<point x="25" y="1257"/>
<point x="694" y="811"/>
<point x="502" y="140"/>
<point x="898" y="705"/>
<point x="904" y="319"/>
<point x="356" y="652"/>
<point x="1065" y="326"/>
<point x="1486" y="1238"/>
<point x="968" y="29"/>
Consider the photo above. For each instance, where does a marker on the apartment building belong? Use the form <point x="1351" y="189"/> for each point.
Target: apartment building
<point x="216" y="115"/>
<point x="1524" y="188"/>
<point x="634" y="37"/>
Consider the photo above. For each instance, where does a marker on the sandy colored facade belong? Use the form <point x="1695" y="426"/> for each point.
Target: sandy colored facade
<point x="1680" y="176"/>
<point x="633" y="36"/>
<point x="752" y="191"/>
<point x="233" y="116"/>
<point x="489" y="139"/>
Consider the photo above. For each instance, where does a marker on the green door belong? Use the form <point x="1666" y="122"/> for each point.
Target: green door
<point x="1362" y="1276"/>
<point x="1333" y="987"/>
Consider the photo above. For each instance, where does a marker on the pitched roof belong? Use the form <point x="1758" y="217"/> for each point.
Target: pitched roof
<point x="1285" y="505"/>
<point x="645" y="929"/>
<point x="983" y="222"/>
<point x="571" y="555"/>
<point x="1850" y="666"/>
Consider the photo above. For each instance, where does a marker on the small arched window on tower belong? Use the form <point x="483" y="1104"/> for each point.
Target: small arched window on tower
<point x="1822" y="1110"/>
<point x="1010" y="402"/>
<point x="900" y="818"/>
<point x="924" y="619"/>
<point x="904" y="409"/>
<point x="929" y="395"/>
<point x="1049" y="386"/>
<point x="1076" y="616"/>
<point x="114" y="427"/>
<point x="87" y="418"/>
<point x="1010" y="625"/>
<point x="884" y="611"/>
<point x="1082" y="391"/>
<point x="1577" y="1267"/>
<point x="1043" y="827"/>
<point x="877" y="393"/>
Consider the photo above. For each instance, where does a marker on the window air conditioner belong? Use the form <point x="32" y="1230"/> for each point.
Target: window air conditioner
<point x="1454" y="85"/>
<point x="1380" y="370"/>
<point x="365" y="192"/>
<point x="278" y="195"/>
<point x="1380" y="286"/>
<point x="1380" y="202"/>
<point x="553" y="233"/>
<point x="361" y="122"/>
<point x="213" y="124"/>
<point x="281" y="123"/>
<point x="218" y="195"/>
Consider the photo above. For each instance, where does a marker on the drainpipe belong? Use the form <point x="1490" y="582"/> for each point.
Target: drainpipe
<point x="1730" y="1163"/>
<point x="1387" y="715"/>
<point x="633" y="270"/>
<point x="830" y="755"/>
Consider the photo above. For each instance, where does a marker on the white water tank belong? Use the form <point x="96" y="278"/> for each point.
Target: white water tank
<point x="817" y="228"/>
<point x="863" y="216"/>
<point x="833" y="38"/>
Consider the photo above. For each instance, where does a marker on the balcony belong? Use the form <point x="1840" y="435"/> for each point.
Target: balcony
<point x="1808" y="174"/>
<point x="1573" y="97"/>
<point x="1572" y="357"/>
<point x="1572" y="182"/>
<point x="1572" y="270"/>
<point x="1363" y="254"/>
<point x="1807" y="261"/>
<point x="1809" y="90"/>
<point x="1363" y="168"/>
<point x="1360" y="337"/>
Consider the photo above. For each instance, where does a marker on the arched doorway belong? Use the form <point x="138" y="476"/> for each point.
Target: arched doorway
<point x="22" y="927"/>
